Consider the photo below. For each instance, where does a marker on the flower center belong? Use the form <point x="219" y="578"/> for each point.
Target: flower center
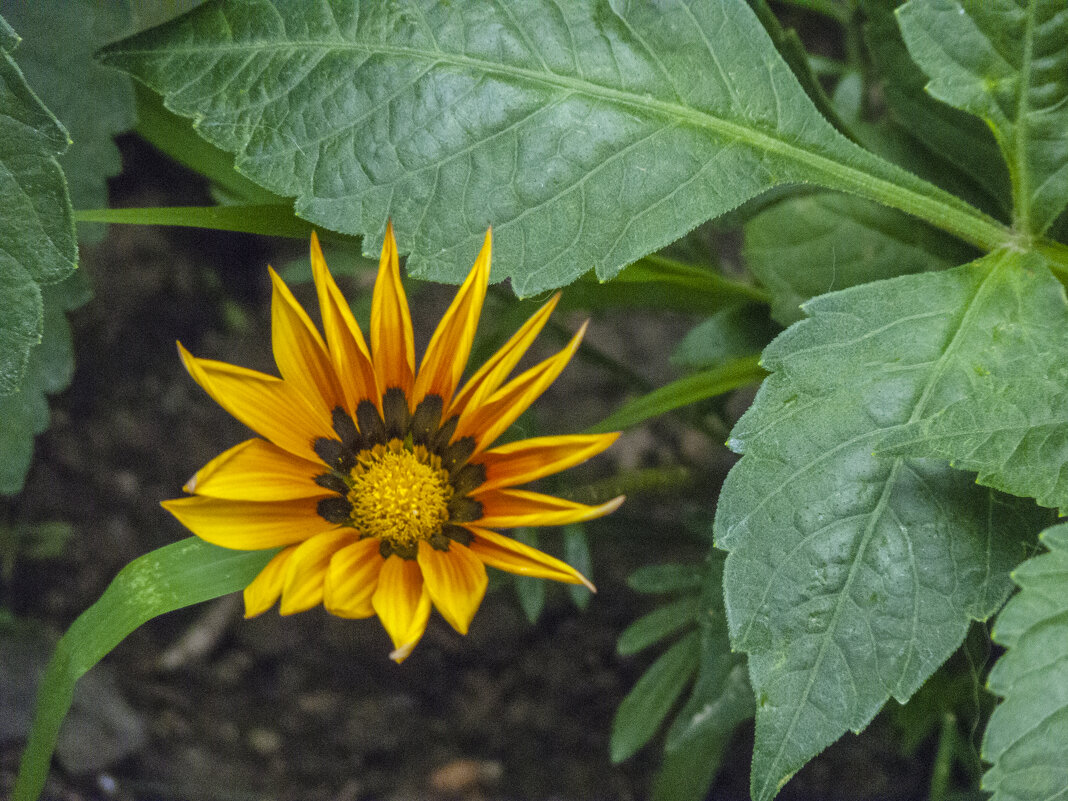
<point x="399" y="495"/>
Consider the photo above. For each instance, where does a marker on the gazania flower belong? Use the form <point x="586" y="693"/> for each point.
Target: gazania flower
<point x="379" y="481"/>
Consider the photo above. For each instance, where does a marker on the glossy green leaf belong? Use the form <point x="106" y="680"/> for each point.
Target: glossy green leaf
<point x="172" y="577"/>
<point x="37" y="245"/>
<point x="1005" y="61"/>
<point x="805" y="246"/>
<point x="449" y="117"/>
<point x="1027" y="736"/>
<point x="733" y="332"/>
<point x="647" y="705"/>
<point x="663" y="622"/>
<point x="852" y="576"/>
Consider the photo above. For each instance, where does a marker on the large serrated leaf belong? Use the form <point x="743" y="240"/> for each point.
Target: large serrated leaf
<point x="549" y="121"/>
<point x="852" y="576"/>
<point x="1027" y="736"/>
<point x="37" y="243"/>
<point x="1006" y="61"/>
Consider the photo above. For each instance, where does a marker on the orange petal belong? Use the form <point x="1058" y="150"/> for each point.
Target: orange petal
<point x="347" y="347"/>
<point x="300" y="352"/>
<point x="266" y="588"/>
<point x="487" y="422"/>
<point x="257" y="470"/>
<point x="446" y="355"/>
<point x="530" y="459"/>
<point x="504" y="553"/>
<point x="492" y="374"/>
<point x="266" y="404"/>
<point x="249" y="525"/>
<point x="402" y="604"/>
<point x="456" y="580"/>
<point x="503" y="508"/>
<point x="352" y="578"/>
<point x="392" y="341"/>
<point x="303" y="586"/>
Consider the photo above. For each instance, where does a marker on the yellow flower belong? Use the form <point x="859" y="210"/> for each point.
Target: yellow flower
<point x="377" y="480"/>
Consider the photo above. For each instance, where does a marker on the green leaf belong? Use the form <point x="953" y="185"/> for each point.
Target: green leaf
<point x="652" y="579"/>
<point x="37" y="243"/>
<point x="530" y="591"/>
<point x="172" y="577"/>
<point x="577" y="554"/>
<point x="93" y="102"/>
<point x="24" y="414"/>
<point x="1027" y="736"/>
<point x="449" y="117"/>
<point x="852" y="576"/>
<point x="997" y="400"/>
<point x="1005" y="61"/>
<point x="805" y="246"/>
<point x="733" y="332"/>
<point x="647" y="705"/>
<point x="270" y="220"/>
<point x="663" y="622"/>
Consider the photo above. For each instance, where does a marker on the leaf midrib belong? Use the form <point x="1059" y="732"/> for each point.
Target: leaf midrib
<point x="1023" y="110"/>
<point x="932" y="204"/>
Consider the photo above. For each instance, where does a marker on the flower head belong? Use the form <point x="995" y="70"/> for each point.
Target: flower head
<point x="379" y="481"/>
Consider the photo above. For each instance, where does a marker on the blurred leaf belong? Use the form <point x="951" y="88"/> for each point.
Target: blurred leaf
<point x="34" y="541"/>
<point x="1027" y="736"/>
<point x="37" y="244"/>
<point x="94" y="103"/>
<point x="663" y="622"/>
<point x="447" y="117"/>
<point x="166" y="579"/>
<point x="813" y="244"/>
<point x="274" y="220"/>
<point x="667" y="578"/>
<point x="853" y="576"/>
<point x="577" y="554"/>
<point x="530" y="591"/>
<point x="647" y="705"/>
<point x="732" y="332"/>
<point x="1005" y="61"/>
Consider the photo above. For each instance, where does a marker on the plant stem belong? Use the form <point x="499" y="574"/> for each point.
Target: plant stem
<point x="943" y="763"/>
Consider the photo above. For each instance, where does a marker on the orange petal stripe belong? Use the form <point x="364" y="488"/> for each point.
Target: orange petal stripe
<point x="266" y="588"/>
<point x="402" y="603"/>
<point x="352" y="578"/>
<point x="392" y="340"/>
<point x="503" y="508"/>
<point x="513" y="556"/>
<point x="348" y="349"/>
<point x="456" y="580"/>
<point x="257" y="470"/>
<point x="303" y="587"/>
<point x="249" y="525"/>
<point x="446" y="355"/>
<point x="530" y="459"/>
<point x="266" y="404"/>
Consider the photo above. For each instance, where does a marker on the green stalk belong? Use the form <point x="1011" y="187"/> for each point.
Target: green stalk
<point x="266" y="220"/>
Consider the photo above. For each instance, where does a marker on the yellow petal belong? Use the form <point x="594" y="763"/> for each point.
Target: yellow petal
<point x="489" y="377"/>
<point x="300" y="352"/>
<point x="456" y="580"/>
<point x="392" y="341"/>
<point x="503" y="508"/>
<point x="345" y="341"/>
<point x="257" y="470"/>
<point x="352" y="578"/>
<point x="249" y="525"/>
<point x="446" y="355"/>
<point x="487" y="422"/>
<point x="266" y="588"/>
<point x="303" y="587"/>
<point x="266" y="404"/>
<point x="402" y="604"/>
<point x="529" y="459"/>
<point x="504" y="553"/>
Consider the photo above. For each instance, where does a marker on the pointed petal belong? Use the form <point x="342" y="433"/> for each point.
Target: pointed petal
<point x="392" y="341"/>
<point x="402" y="604"/>
<point x="303" y="587"/>
<point x="503" y="508"/>
<point x="487" y="422"/>
<point x="266" y="588"/>
<point x="456" y="580"/>
<point x="257" y="470"/>
<point x="446" y="355"/>
<point x="249" y="525"/>
<point x="504" y="553"/>
<point x="489" y="377"/>
<point x="529" y="459"/>
<point x="348" y="349"/>
<point x="266" y="404"/>
<point x="352" y="578"/>
<point x="300" y="352"/>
